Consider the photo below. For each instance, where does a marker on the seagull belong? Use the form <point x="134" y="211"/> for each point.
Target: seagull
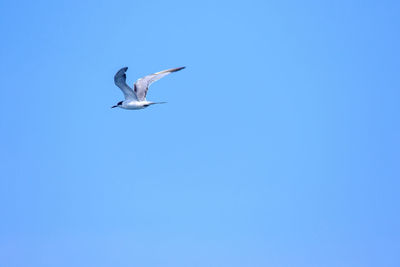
<point x="136" y="98"/>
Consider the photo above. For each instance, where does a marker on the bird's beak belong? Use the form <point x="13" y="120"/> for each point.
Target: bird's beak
<point x="114" y="106"/>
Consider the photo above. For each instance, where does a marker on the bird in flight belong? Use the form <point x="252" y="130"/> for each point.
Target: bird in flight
<point x="136" y="98"/>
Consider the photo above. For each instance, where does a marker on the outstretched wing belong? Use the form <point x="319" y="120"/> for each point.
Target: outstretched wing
<point x="142" y="85"/>
<point x="120" y="81"/>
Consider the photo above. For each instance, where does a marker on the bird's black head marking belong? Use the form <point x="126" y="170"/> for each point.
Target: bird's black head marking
<point x="120" y="103"/>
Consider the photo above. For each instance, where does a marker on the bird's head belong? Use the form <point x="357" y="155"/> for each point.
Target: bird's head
<point x="118" y="104"/>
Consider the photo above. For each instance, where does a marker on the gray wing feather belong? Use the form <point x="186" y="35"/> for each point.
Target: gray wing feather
<point x="120" y="81"/>
<point x="142" y="84"/>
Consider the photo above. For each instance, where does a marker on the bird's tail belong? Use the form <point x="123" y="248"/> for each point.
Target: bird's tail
<point x="152" y="103"/>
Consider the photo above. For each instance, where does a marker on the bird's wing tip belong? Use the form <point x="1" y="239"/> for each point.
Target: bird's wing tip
<point x="121" y="71"/>
<point x="178" y="69"/>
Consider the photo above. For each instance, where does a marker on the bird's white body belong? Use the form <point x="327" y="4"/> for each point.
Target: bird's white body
<point x="136" y="98"/>
<point x="132" y="104"/>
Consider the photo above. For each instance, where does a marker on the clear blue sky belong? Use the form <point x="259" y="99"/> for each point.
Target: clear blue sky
<point x="279" y="145"/>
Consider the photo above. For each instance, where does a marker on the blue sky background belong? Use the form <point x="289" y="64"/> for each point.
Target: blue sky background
<point x="279" y="145"/>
